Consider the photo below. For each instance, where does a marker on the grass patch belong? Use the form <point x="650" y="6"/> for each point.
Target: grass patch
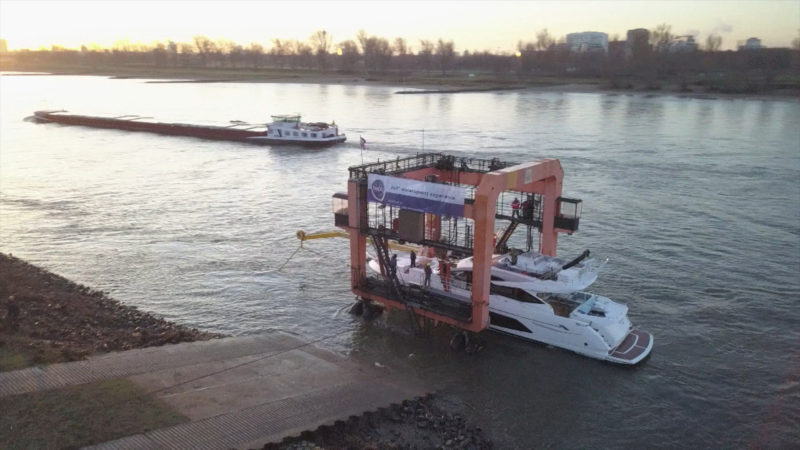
<point x="12" y="361"/>
<point x="20" y="352"/>
<point x="81" y="415"/>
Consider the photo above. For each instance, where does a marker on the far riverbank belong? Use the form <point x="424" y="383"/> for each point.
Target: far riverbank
<point x="421" y="83"/>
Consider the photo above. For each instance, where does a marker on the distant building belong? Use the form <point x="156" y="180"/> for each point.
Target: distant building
<point x="616" y="50"/>
<point x="751" y="44"/>
<point x="682" y="44"/>
<point x="637" y="44"/>
<point x="587" y="41"/>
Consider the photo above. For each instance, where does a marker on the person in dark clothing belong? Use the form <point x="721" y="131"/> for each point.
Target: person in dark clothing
<point x="393" y="265"/>
<point x="12" y="313"/>
<point x="444" y="272"/>
<point x="428" y="273"/>
<point x="413" y="259"/>
<point x="527" y="208"/>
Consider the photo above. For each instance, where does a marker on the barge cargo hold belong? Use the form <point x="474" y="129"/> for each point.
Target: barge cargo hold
<point x="284" y="129"/>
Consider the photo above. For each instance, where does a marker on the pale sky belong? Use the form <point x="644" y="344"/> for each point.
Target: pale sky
<point x="472" y="25"/>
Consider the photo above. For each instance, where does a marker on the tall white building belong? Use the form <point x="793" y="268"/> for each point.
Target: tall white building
<point x="587" y="41"/>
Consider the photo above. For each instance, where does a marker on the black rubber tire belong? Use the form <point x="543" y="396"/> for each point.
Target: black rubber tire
<point x="474" y="345"/>
<point x="371" y="311"/>
<point x="458" y="341"/>
<point x="357" y="309"/>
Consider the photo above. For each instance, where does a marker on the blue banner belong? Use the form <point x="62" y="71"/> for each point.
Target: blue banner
<point x="421" y="196"/>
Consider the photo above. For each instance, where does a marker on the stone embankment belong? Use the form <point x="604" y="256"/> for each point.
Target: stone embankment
<point x="45" y="318"/>
<point x="420" y="423"/>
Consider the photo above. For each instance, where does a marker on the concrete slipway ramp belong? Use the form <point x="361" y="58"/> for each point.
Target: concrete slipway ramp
<point x="239" y="392"/>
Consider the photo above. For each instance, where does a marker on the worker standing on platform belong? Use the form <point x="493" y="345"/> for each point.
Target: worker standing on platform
<point x="444" y="274"/>
<point x="515" y="208"/>
<point x="428" y="272"/>
<point x="527" y="208"/>
<point x="413" y="257"/>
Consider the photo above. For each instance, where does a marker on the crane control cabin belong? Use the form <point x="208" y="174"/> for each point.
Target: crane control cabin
<point x="449" y="206"/>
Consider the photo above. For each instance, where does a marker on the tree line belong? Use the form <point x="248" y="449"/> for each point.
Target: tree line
<point x="370" y="54"/>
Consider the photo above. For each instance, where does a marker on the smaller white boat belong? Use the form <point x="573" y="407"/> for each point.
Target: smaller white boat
<point x="541" y="273"/>
<point x="288" y="129"/>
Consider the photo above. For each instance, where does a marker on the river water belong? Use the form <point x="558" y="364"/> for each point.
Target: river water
<point x="695" y="202"/>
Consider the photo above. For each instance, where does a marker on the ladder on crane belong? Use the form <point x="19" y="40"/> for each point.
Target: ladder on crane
<point x="382" y="250"/>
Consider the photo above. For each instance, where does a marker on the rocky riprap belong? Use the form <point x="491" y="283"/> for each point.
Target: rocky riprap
<point x="414" y="424"/>
<point x="58" y="320"/>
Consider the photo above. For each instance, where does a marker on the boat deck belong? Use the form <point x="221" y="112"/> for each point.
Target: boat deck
<point x="635" y="345"/>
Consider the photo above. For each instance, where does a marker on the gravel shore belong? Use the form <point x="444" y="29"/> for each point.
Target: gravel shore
<point x="45" y="318"/>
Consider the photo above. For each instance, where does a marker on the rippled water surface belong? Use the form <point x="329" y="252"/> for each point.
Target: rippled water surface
<point x="695" y="202"/>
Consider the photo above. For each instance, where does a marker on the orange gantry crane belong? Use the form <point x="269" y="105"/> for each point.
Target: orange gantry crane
<point x="449" y="206"/>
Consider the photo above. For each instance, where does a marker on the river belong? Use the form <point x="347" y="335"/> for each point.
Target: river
<point x="695" y="202"/>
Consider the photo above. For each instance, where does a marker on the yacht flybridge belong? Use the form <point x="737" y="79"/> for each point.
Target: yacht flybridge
<point x="460" y="220"/>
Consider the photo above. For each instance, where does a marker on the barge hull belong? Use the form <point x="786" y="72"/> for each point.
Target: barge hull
<point x="220" y="133"/>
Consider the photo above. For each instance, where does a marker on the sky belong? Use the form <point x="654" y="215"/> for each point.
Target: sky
<point x="472" y="25"/>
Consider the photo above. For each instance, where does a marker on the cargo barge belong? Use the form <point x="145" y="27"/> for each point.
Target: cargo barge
<point x="284" y="129"/>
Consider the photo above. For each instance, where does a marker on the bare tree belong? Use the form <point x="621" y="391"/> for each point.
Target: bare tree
<point x="660" y="37"/>
<point x="349" y="55"/>
<point x="279" y="51"/>
<point x="400" y="46"/>
<point x="425" y="54"/>
<point x="400" y="49"/>
<point x="713" y="42"/>
<point x="445" y="54"/>
<point x="172" y="50"/>
<point x="254" y="54"/>
<point x="305" y="54"/>
<point x="227" y="49"/>
<point x="527" y="55"/>
<point x="205" y="47"/>
<point x="187" y="50"/>
<point x="543" y="40"/>
<point x="159" y="54"/>
<point x="321" y="42"/>
<point x="377" y="52"/>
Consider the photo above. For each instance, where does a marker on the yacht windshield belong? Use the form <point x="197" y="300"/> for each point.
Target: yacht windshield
<point x="513" y="292"/>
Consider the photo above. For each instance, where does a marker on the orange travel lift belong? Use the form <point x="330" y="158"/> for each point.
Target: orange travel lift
<point x="488" y="187"/>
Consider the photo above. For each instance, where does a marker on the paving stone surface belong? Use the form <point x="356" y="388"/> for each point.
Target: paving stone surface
<point x="238" y="392"/>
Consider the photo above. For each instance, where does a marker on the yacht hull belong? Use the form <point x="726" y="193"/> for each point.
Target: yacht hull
<point x="538" y="321"/>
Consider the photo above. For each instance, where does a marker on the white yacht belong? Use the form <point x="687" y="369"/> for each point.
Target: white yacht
<point x="288" y="129"/>
<point x="541" y="298"/>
